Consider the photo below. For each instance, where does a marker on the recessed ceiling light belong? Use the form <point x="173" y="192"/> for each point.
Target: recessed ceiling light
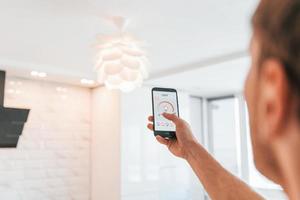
<point x="42" y="74"/>
<point x="34" y="73"/>
<point x="61" y="89"/>
<point x="87" y="81"/>
<point x="38" y="74"/>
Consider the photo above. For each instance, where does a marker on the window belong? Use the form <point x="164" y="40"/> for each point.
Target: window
<point x="230" y="143"/>
<point x="224" y="133"/>
<point x="149" y="171"/>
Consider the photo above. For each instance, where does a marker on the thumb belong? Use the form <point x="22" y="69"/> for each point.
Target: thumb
<point x="171" y="117"/>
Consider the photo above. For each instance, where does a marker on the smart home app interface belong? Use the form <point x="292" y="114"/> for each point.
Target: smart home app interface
<point x="164" y="102"/>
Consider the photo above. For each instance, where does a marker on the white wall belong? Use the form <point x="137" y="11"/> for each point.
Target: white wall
<point x="105" y="151"/>
<point x="70" y="147"/>
<point x="52" y="160"/>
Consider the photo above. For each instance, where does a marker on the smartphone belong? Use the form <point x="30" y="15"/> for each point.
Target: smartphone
<point x="164" y="100"/>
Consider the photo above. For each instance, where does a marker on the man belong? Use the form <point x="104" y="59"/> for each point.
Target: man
<point x="272" y="92"/>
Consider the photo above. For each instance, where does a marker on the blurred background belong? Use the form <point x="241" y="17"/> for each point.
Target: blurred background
<point x="83" y="140"/>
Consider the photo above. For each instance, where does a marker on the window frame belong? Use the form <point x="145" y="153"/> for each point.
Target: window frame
<point x="243" y="137"/>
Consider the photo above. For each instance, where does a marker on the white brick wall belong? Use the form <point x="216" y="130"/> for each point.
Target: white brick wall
<point x="52" y="160"/>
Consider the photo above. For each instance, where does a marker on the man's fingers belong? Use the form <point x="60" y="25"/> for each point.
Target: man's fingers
<point x="150" y="126"/>
<point x="162" y="140"/>
<point x="171" y="117"/>
<point x="150" y="118"/>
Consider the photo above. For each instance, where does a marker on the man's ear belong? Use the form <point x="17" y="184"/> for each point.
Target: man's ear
<point x="274" y="92"/>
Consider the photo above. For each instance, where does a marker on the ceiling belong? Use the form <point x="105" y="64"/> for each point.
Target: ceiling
<point x="215" y="80"/>
<point x="57" y="36"/>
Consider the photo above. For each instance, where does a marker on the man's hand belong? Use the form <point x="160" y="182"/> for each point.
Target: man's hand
<point x="184" y="138"/>
<point x="217" y="181"/>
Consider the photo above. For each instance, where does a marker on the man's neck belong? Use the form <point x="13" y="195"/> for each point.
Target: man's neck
<point x="287" y="149"/>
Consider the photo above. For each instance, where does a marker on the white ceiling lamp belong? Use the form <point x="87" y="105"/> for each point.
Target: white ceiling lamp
<point x="121" y="63"/>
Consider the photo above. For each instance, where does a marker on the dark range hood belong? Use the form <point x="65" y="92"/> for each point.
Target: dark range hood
<point x="12" y="120"/>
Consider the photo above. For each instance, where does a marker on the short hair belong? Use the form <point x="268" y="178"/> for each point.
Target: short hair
<point x="277" y="25"/>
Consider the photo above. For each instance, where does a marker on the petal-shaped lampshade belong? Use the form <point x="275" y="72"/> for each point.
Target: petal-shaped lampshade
<point x="130" y="62"/>
<point x="111" y="54"/>
<point x="113" y="82"/>
<point x="129" y="74"/>
<point x="112" y="68"/>
<point x="132" y="51"/>
<point x="121" y="64"/>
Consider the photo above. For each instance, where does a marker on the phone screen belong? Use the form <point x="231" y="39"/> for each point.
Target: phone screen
<point x="164" y="102"/>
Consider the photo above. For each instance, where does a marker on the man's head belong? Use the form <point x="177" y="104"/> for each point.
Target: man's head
<point x="273" y="85"/>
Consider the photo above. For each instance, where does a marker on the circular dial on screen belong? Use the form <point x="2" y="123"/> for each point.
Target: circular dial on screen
<point x="165" y="107"/>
